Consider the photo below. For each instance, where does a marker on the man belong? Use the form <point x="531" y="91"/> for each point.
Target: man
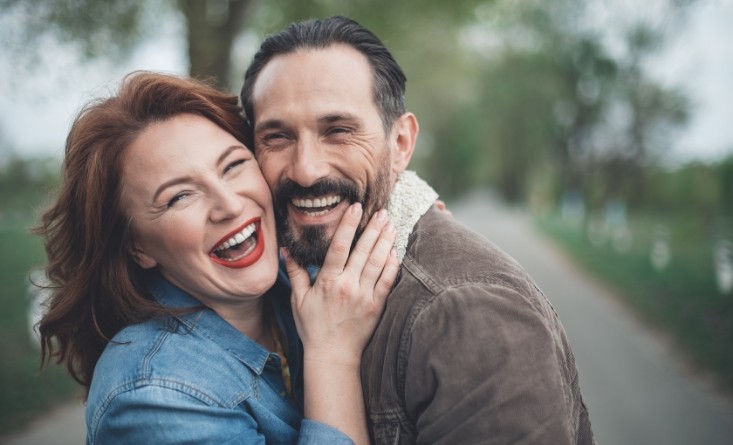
<point x="468" y="349"/>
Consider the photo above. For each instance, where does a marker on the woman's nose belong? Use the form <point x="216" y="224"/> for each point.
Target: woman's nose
<point x="226" y="204"/>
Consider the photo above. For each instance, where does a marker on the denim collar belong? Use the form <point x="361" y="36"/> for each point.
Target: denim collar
<point x="204" y="321"/>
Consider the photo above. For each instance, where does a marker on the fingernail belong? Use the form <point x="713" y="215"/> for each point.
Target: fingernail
<point x="393" y="252"/>
<point x="356" y="208"/>
<point x="381" y="215"/>
<point x="390" y="227"/>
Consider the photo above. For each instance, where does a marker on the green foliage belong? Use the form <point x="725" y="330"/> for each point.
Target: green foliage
<point x="455" y="154"/>
<point x="517" y="107"/>
<point x="100" y="28"/>
<point x="552" y="92"/>
<point x="386" y="18"/>
<point x="25" y="391"/>
<point x="697" y="187"/>
<point x="702" y="189"/>
<point x="726" y="185"/>
<point x="24" y="184"/>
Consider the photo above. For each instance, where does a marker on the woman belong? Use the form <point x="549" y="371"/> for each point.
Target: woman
<point x="163" y="255"/>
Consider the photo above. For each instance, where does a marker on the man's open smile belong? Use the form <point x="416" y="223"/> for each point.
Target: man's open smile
<point x="316" y="206"/>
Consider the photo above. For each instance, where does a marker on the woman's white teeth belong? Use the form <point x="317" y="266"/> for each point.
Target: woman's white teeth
<point x="238" y="238"/>
<point x="316" y="202"/>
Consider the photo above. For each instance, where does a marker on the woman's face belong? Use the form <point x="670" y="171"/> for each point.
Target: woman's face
<point x="201" y="211"/>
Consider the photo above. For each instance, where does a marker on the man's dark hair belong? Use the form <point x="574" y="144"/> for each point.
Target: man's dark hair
<point x="388" y="78"/>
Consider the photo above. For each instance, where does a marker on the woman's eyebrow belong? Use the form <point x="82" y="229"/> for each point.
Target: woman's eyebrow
<point x="227" y="152"/>
<point x="183" y="179"/>
<point x="170" y="183"/>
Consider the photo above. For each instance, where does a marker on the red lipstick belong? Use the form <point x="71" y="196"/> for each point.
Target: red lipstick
<point x="248" y="259"/>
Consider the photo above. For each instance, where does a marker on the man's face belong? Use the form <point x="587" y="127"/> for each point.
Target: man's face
<point x="320" y="142"/>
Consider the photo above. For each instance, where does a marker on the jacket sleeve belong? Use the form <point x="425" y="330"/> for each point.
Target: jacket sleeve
<point x="486" y="364"/>
<point x="162" y="415"/>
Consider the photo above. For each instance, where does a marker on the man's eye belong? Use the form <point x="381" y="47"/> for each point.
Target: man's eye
<point x="339" y="130"/>
<point x="273" y="141"/>
<point x="272" y="137"/>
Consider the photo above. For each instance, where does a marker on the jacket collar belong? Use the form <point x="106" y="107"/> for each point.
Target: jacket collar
<point x="411" y="198"/>
<point x="205" y="322"/>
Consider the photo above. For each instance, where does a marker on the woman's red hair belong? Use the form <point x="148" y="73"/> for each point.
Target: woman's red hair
<point x="97" y="286"/>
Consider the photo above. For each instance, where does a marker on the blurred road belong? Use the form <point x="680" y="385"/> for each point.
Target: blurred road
<point x="637" y="390"/>
<point x="64" y="425"/>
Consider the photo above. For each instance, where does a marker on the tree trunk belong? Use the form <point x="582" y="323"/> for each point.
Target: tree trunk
<point x="212" y="27"/>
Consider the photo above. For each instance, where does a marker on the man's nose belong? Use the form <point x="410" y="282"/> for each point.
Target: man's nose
<point x="309" y="163"/>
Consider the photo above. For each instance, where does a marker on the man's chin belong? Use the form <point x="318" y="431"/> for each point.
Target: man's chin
<point x="307" y="245"/>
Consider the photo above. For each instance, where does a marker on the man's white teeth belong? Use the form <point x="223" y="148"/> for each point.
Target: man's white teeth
<point x="316" y="202"/>
<point x="237" y="238"/>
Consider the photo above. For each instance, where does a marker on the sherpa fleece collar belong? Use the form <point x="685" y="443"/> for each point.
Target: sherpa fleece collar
<point x="411" y="198"/>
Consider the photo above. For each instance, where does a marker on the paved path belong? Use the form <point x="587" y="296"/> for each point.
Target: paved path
<point x="64" y="425"/>
<point x="637" y="390"/>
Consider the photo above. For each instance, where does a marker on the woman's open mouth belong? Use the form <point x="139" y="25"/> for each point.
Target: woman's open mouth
<point x="240" y="248"/>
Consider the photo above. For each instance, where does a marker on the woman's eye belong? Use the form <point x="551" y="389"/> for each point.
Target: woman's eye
<point x="176" y="199"/>
<point x="234" y="164"/>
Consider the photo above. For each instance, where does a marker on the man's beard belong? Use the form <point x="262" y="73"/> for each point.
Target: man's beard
<point x="308" y="245"/>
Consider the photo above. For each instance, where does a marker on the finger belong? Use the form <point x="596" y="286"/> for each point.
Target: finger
<point x="338" y="250"/>
<point x="378" y="257"/>
<point x="367" y="241"/>
<point x="387" y="278"/>
<point x="440" y="205"/>
<point x="299" y="278"/>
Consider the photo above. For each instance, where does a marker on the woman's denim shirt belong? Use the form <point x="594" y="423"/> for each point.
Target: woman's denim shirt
<point x="195" y="379"/>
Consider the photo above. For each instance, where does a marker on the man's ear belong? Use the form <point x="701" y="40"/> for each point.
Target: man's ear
<point x="405" y="133"/>
<point x="141" y="258"/>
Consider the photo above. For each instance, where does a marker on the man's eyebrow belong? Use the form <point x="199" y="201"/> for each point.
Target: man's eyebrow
<point x="338" y="117"/>
<point x="329" y="118"/>
<point x="269" y="124"/>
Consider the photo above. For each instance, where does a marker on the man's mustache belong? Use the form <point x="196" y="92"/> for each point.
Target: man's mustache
<point x="290" y="189"/>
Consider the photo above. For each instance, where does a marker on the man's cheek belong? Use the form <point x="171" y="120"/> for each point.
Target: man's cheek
<point x="266" y="166"/>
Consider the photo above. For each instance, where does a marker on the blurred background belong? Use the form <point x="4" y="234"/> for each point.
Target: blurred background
<point x="607" y="123"/>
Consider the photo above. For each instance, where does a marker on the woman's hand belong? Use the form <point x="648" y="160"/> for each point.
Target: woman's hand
<point x="337" y="315"/>
<point x="440" y="205"/>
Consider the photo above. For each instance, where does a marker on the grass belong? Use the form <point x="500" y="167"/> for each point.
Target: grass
<point x="682" y="298"/>
<point x="25" y="391"/>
